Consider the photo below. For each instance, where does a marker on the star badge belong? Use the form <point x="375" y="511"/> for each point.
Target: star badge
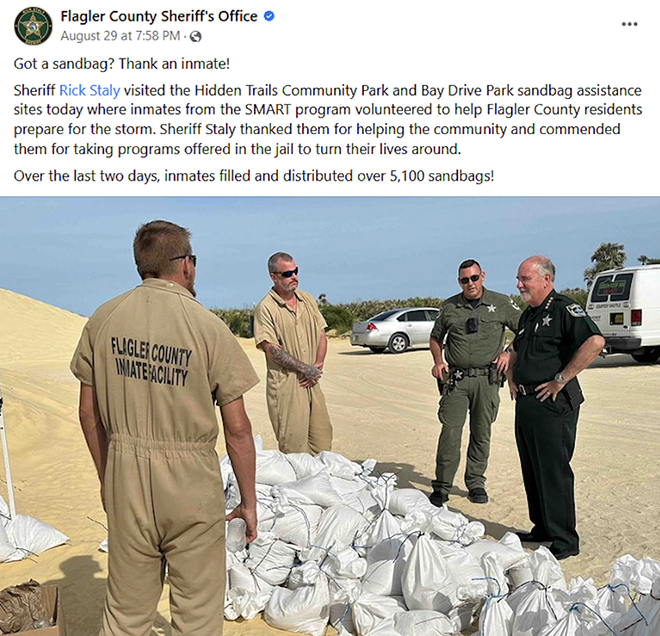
<point x="546" y="320"/>
<point x="33" y="26"/>
<point x="459" y="374"/>
<point x="491" y="308"/>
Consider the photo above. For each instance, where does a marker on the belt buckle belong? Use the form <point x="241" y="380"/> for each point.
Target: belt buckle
<point x="521" y="389"/>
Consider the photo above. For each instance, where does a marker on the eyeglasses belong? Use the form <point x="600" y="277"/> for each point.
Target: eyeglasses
<point x="465" y="280"/>
<point x="288" y="273"/>
<point x="192" y="257"/>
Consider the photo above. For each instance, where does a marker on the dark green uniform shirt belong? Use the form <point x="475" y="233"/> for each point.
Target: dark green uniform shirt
<point x="492" y="314"/>
<point x="548" y="337"/>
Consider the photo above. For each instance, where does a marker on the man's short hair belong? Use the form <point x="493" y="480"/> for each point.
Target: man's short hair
<point x="275" y="258"/>
<point x="155" y="245"/>
<point x="468" y="263"/>
<point x="545" y="266"/>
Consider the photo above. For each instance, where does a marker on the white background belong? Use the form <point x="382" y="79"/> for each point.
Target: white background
<point x="307" y="44"/>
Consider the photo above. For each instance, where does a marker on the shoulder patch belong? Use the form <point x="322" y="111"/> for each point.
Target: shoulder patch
<point x="576" y="310"/>
<point x="513" y="304"/>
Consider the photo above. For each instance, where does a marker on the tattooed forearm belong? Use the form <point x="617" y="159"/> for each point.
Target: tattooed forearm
<point x="285" y="359"/>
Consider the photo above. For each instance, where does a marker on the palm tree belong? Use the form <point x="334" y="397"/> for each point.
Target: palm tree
<point x="606" y="256"/>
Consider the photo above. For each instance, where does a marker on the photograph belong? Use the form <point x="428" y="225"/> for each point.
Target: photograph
<point x="451" y="404"/>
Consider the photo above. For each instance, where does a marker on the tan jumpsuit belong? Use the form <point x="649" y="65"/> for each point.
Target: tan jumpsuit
<point x="299" y="416"/>
<point x="158" y="362"/>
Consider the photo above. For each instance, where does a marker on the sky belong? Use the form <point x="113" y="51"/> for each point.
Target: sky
<point x="76" y="253"/>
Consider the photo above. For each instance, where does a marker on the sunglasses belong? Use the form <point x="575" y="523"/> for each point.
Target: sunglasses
<point x="474" y="278"/>
<point x="288" y="273"/>
<point x="192" y="257"/>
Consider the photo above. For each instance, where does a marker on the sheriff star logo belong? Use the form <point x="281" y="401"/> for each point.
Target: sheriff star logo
<point x="491" y="309"/>
<point x="33" y="25"/>
<point x="546" y="320"/>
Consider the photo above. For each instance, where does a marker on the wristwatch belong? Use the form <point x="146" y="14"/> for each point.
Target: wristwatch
<point x="559" y="378"/>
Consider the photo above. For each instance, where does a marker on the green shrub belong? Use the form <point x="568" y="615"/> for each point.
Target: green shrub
<point x="239" y="321"/>
<point x="338" y="317"/>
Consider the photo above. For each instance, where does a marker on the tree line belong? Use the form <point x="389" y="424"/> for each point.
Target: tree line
<point x="341" y="316"/>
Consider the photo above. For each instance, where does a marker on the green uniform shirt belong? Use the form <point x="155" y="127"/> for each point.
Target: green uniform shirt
<point x="548" y="337"/>
<point x="466" y="350"/>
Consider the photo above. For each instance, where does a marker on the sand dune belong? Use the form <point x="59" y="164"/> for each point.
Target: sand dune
<point x="382" y="405"/>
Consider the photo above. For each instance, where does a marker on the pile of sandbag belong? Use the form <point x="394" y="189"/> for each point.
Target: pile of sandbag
<point x="339" y="544"/>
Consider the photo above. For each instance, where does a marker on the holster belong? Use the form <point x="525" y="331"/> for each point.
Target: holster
<point x="573" y="393"/>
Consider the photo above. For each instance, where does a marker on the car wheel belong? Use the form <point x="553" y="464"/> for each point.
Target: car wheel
<point x="398" y="343"/>
<point x="377" y="349"/>
<point x="649" y="354"/>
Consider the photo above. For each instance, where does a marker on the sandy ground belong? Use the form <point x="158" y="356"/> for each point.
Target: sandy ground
<point x="383" y="406"/>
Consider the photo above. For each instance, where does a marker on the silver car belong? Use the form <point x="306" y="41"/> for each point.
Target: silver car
<point x="396" y="329"/>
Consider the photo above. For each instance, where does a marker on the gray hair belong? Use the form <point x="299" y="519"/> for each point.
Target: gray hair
<point x="544" y="266"/>
<point x="275" y="258"/>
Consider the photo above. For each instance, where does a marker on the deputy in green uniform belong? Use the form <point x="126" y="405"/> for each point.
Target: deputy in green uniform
<point x="555" y="341"/>
<point x="468" y="366"/>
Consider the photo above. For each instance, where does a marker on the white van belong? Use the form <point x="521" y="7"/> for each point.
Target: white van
<point x="625" y="304"/>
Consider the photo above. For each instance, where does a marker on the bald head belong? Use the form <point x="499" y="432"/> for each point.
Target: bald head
<point x="536" y="277"/>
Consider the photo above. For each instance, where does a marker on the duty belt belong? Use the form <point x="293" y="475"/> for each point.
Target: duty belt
<point x="526" y="389"/>
<point x="472" y="372"/>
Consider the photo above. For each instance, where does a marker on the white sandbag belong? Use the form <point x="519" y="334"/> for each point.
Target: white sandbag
<point x="384" y="527"/>
<point x="546" y="569"/>
<point x="582" y="621"/>
<point x="405" y="500"/>
<point x="235" y="539"/>
<point x="426" y="580"/>
<point x="346" y="487"/>
<point x="342" y="593"/>
<point x="466" y="571"/>
<point x="506" y="555"/>
<point x="367" y="502"/>
<point x="444" y="524"/>
<point x="498" y="583"/>
<point x="339" y="466"/>
<point x="338" y="528"/>
<point x="270" y="558"/>
<point x="247" y="594"/>
<point x="290" y="522"/>
<point x="273" y="468"/>
<point x="235" y="558"/>
<point x="643" y="618"/>
<point x="496" y="618"/>
<point x="570" y="625"/>
<point x="612" y="598"/>
<point x="345" y="564"/>
<point x="519" y="575"/>
<point x="304" y="609"/>
<point x="7" y="549"/>
<point x="226" y="469"/>
<point x="385" y="565"/>
<point x="416" y="623"/>
<point x="305" y="465"/>
<point x="645" y="576"/>
<point x="315" y="489"/>
<point x="369" y="610"/>
<point x="534" y="609"/>
<point x="30" y="535"/>
<point x="582" y="618"/>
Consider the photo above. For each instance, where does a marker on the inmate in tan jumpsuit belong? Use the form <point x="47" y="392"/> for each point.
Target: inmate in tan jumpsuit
<point x="158" y="362"/>
<point x="299" y="416"/>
